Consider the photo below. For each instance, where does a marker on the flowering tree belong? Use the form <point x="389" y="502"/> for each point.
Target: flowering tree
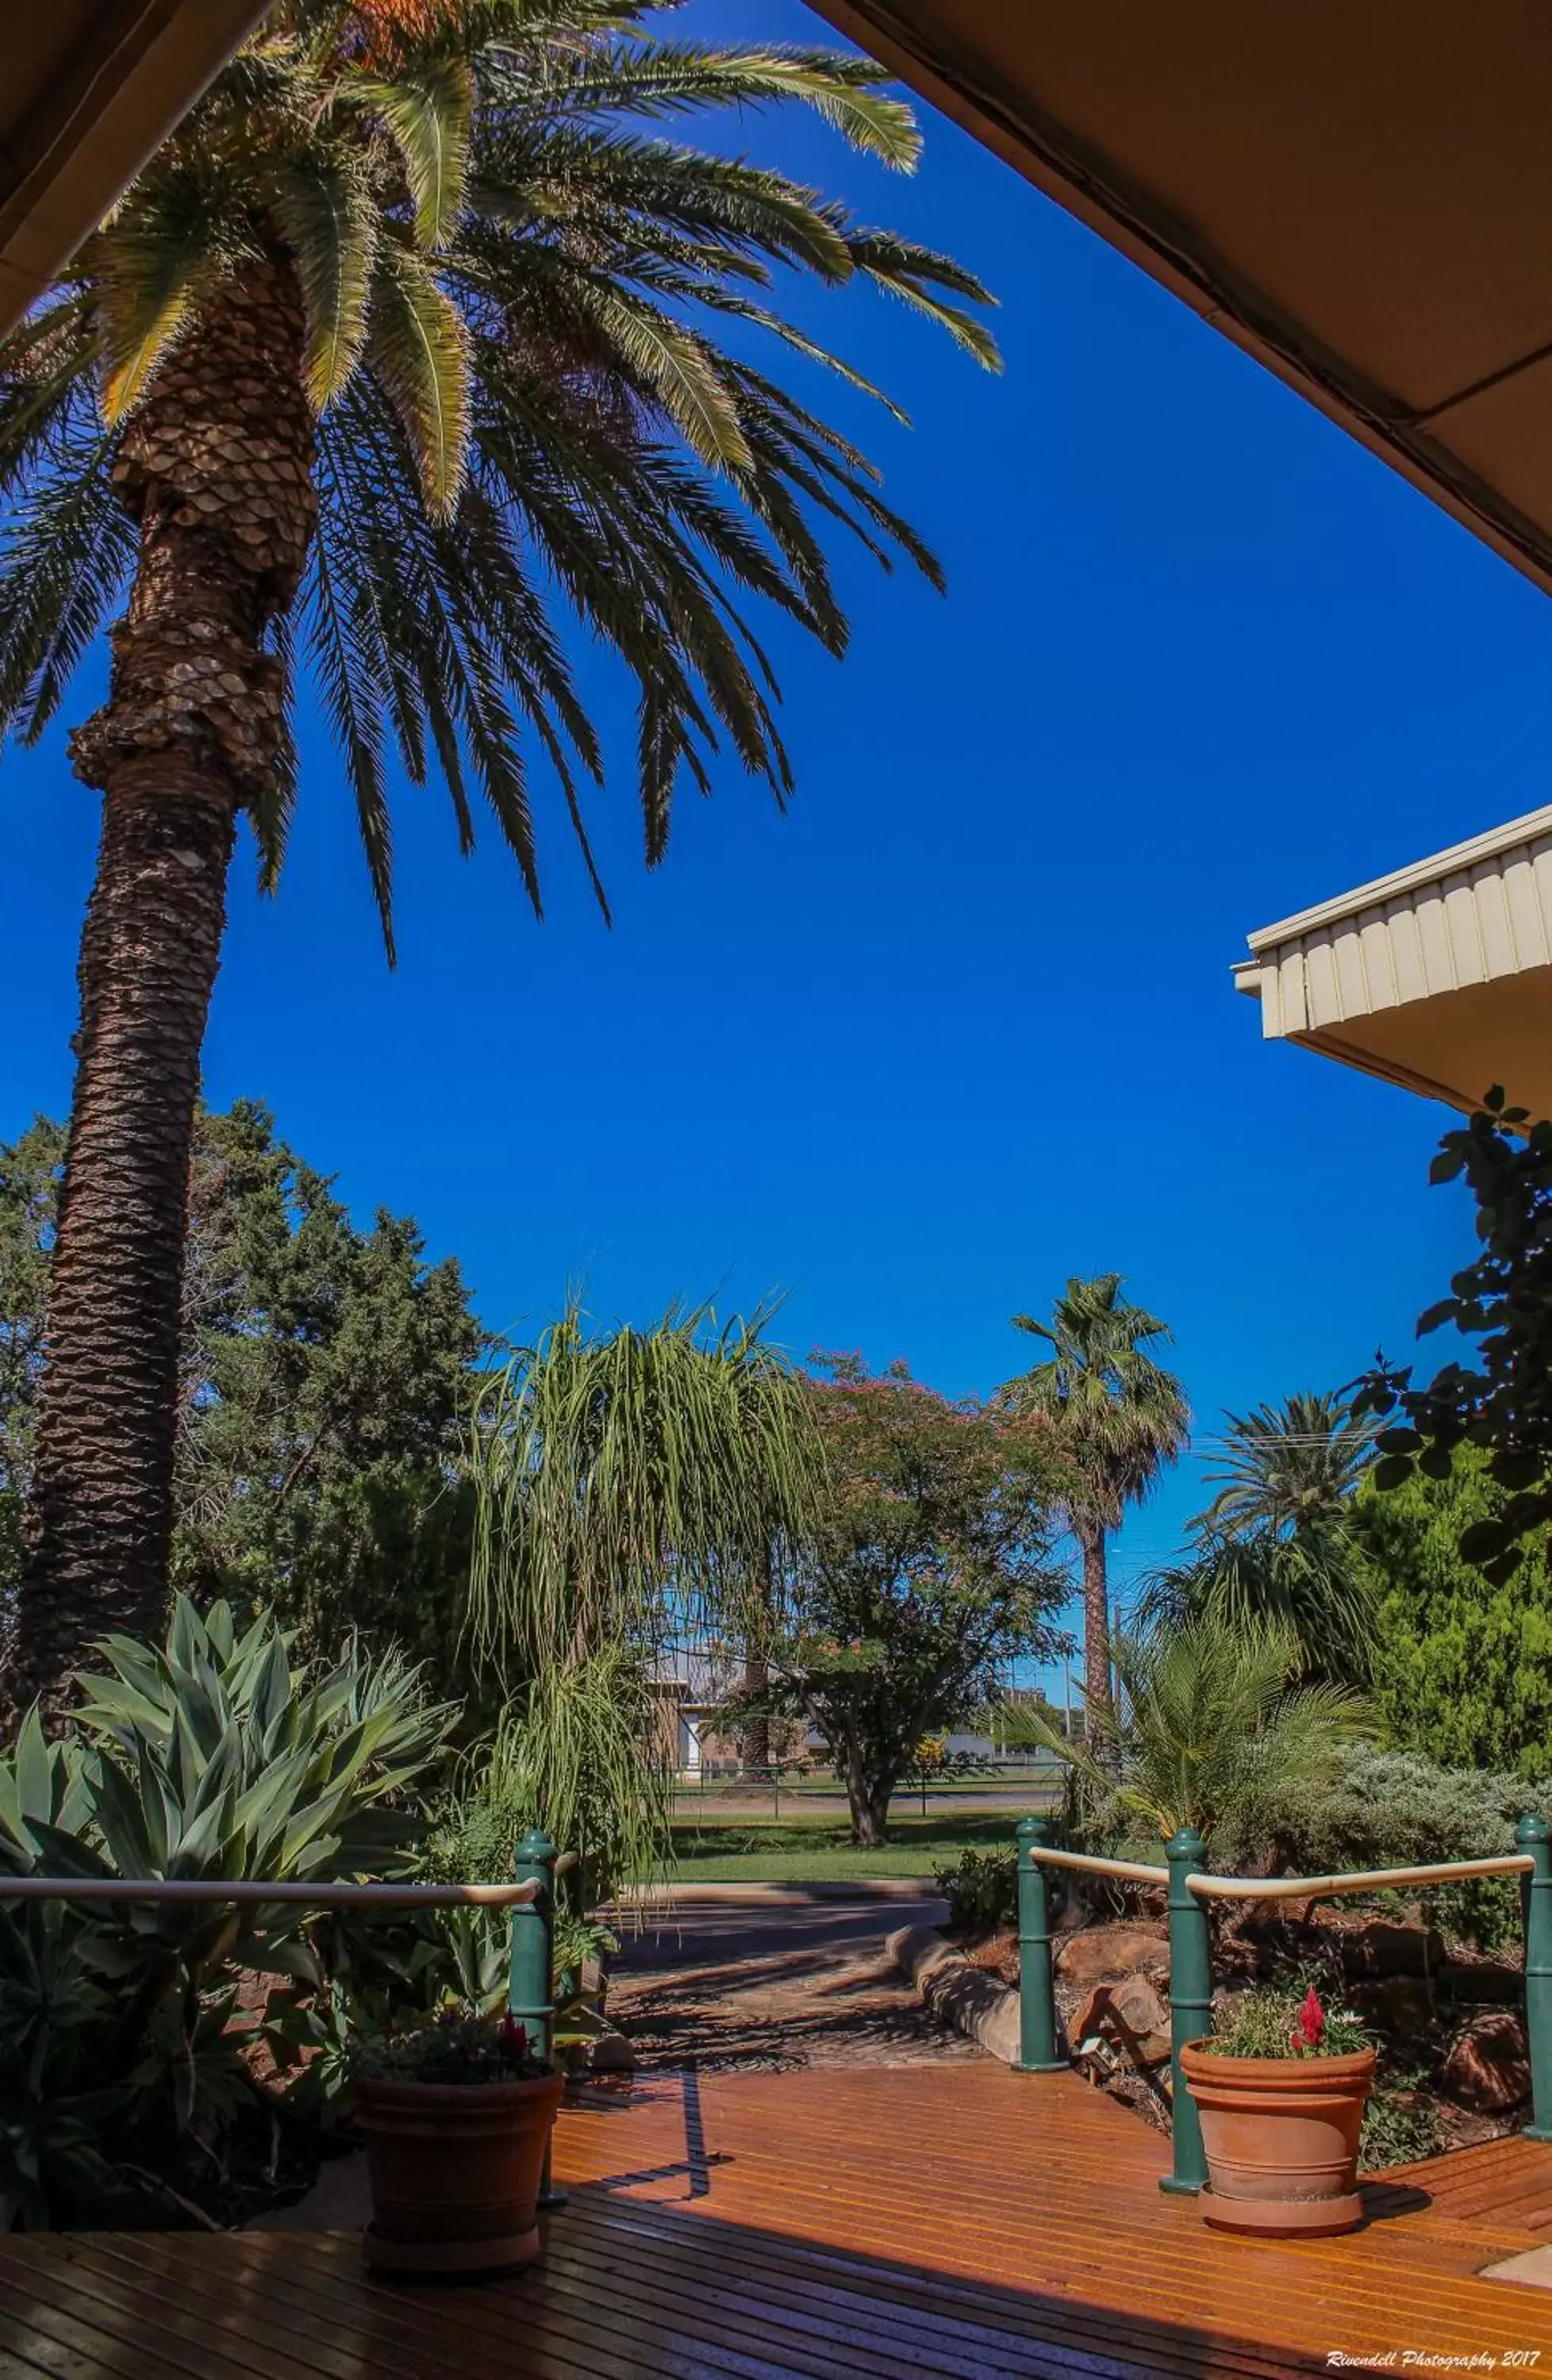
<point x="929" y="1571"/>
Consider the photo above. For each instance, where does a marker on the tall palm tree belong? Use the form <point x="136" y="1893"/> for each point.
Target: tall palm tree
<point x="1119" y="1417"/>
<point x="403" y="354"/>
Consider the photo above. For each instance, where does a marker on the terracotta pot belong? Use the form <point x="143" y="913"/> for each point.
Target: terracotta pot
<point x="1281" y="2139"/>
<point x="456" y="2169"/>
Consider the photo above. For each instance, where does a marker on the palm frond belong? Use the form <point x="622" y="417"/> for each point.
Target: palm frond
<point x="66" y="557"/>
<point x="429" y="115"/>
<point x="418" y="351"/>
<point x="330" y="221"/>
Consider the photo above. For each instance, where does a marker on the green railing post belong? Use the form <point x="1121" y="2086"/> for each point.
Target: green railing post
<point x="1190" y="2004"/>
<point x="1036" y="1990"/>
<point x="530" y="1992"/>
<point x="1531" y="1834"/>
<point x="531" y="1988"/>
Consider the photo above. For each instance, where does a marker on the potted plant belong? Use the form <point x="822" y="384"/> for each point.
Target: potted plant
<point x="458" y="2117"/>
<point x="1280" y="2089"/>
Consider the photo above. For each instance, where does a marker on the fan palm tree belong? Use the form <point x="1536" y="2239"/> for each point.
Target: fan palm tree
<point x="1119" y="1417"/>
<point x="404" y="353"/>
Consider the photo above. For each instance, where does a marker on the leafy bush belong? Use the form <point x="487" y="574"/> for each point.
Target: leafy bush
<point x="981" y="1889"/>
<point x="1395" y="1809"/>
<point x="213" y="1757"/>
<point x="1401" y="2125"/>
<point x="1287" y="2020"/>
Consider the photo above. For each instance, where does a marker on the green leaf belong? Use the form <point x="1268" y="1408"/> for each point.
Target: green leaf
<point x="430" y="116"/>
<point x="419" y="349"/>
<point x="330" y="221"/>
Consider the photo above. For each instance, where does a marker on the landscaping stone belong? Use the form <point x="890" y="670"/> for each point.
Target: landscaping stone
<point x="611" y="2054"/>
<point x="1130" y="2013"/>
<point x="1103" y="1954"/>
<point x="1483" y="1979"/>
<point x="1380" y="1950"/>
<point x="957" y="1992"/>
<point x="1489" y="2067"/>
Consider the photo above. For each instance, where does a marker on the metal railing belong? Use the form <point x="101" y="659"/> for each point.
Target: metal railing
<point x="1190" y="1883"/>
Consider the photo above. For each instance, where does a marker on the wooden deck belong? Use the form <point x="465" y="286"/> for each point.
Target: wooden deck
<point x="859" y="2223"/>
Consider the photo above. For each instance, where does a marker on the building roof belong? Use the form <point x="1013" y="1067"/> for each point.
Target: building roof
<point x="1437" y="976"/>
<point x="90" y="89"/>
<point x="1357" y="192"/>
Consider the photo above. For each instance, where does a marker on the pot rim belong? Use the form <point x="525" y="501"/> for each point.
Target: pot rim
<point x="388" y="2091"/>
<point x="1310" y="2073"/>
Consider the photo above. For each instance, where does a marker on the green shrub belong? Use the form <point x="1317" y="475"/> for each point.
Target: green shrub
<point x="981" y="1889"/>
<point x="1269" y="2023"/>
<point x="1402" y="2125"/>
<point x="1400" y="1809"/>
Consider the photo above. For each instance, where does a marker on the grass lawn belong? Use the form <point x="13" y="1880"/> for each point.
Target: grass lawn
<point x="819" y="1850"/>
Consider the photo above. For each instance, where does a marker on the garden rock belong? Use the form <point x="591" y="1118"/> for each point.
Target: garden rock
<point x="1483" y="1979"/>
<point x="611" y="2054"/>
<point x="1107" y="1954"/>
<point x="1489" y="2069"/>
<point x="1130" y="2013"/>
<point x="1381" y="1949"/>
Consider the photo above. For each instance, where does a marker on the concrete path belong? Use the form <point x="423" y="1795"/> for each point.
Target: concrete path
<point x="742" y="1983"/>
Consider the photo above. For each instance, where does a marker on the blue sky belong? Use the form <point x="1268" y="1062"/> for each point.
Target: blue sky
<point x="962" y="1023"/>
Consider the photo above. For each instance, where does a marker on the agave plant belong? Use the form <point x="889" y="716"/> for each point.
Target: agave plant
<point x="212" y="1756"/>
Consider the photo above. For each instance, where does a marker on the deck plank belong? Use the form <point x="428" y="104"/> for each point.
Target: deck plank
<point x="850" y="2224"/>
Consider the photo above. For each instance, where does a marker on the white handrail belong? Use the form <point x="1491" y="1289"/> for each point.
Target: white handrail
<point x="244" y="1889"/>
<point x="1378" y="1879"/>
<point x="1093" y="1866"/>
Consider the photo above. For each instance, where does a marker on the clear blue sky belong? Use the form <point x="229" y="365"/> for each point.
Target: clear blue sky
<point x="962" y="1023"/>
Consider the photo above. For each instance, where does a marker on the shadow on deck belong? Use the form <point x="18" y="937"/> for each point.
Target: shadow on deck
<point x="854" y="2224"/>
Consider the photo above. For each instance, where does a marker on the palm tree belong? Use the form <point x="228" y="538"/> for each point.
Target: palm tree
<point x="629" y="1488"/>
<point x="1219" y="1734"/>
<point x="1274" y="1545"/>
<point x="1118" y="1417"/>
<point x="1288" y="1469"/>
<point x="404" y="352"/>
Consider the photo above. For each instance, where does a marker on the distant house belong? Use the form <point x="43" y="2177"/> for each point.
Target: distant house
<point x="689" y="1688"/>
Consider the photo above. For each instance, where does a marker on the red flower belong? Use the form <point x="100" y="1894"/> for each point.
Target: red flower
<point x="1305" y="2036"/>
<point x="515" y="2038"/>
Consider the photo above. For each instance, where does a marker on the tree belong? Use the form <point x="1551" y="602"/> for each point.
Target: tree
<point x="927" y="1575"/>
<point x="1502" y="1407"/>
<point x="1117" y="1418"/>
<point x="28" y="1184"/>
<point x="1217" y="1734"/>
<point x="1462" y="1664"/>
<point x="325" y="1375"/>
<point x="1276" y="1544"/>
<point x="402" y="353"/>
<point x="628" y="1486"/>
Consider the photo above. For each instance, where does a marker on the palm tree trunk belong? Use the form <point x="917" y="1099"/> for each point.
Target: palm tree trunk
<point x="217" y="468"/>
<point x="1096" y="1621"/>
